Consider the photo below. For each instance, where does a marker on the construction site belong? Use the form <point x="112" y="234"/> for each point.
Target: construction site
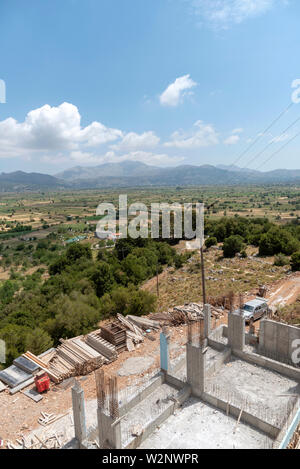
<point x="208" y="382"/>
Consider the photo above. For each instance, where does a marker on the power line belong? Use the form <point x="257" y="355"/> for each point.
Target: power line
<point x="278" y="151"/>
<point x="271" y="143"/>
<point x="262" y="134"/>
<point x="252" y="144"/>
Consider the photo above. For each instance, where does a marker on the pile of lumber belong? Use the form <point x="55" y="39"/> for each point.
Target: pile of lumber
<point x="134" y="333"/>
<point x="105" y="348"/>
<point x="116" y="335"/>
<point x="72" y="358"/>
<point x="143" y="323"/>
<point x="183" y="314"/>
<point x="192" y="311"/>
<point x="53" y="374"/>
<point x="83" y="358"/>
<point x="173" y="318"/>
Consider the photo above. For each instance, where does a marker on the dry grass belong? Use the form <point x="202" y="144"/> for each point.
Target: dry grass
<point x="222" y="276"/>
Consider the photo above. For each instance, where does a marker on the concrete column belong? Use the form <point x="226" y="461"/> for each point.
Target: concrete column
<point x="236" y="331"/>
<point x="79" y="413"/>
<point x="109" y="431"/>
<point x="196" y="368"/>
<point x="207" y="320"/>
<point x="164" y="352"/>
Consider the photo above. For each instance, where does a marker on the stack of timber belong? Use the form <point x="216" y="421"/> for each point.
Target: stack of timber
<point x="133" y="332"/>
<point x="105" y="348"/>
<point x="183" y="314"/>
<point x="143" y="322"/>
<point x="72" y="358"/>
<point x="80" y="355"/>
<point x="53" y="374"/>
<point x="116" y="335"/>
<point x="193" y="311"/>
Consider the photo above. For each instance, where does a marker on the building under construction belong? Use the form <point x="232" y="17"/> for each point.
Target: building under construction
<point x="229" y="389"/>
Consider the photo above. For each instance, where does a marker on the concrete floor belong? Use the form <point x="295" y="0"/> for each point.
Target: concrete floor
<point x="146" y="411"/>
<point x="199" y="426"/>
<point x="265" y="392"/>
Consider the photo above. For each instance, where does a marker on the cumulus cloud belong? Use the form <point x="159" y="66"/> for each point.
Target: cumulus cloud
<point x="232" y="140"/>
<point x="237" y="131"/>
<point x="52" y="129"/>
<point x="202" y="135"/>
<point x="222" y="14"/>
<point x="134" y="141"/>
<point x="175" y="91"/>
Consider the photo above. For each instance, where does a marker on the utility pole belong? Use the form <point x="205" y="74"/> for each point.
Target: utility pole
<point x="157" y="282"/>
<point x="203" y="276"/>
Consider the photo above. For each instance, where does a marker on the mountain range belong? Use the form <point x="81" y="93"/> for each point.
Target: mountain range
<point x="137" y="174"/>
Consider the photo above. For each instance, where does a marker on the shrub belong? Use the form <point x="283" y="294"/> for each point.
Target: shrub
<point x="295" y="261"/>
<point x="211" y="241"/>
<point x="281" y="260"/>
<point x="233" y="245"/>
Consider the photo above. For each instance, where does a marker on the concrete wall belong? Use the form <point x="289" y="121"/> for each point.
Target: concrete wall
<point x="254" y="358"/>
<point x="109" y="431"/>
<point x="276" y="339"/>
<point x="245" y="416"/>
<point x="236" y="331"/>
<point x="219" y="362"/>
<point x="180" y="398"/>
<point x="142" y="395"/>
<point x="196" y="368"/>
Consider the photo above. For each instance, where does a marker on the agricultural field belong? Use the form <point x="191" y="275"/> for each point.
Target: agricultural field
<point x="58" y="280"/>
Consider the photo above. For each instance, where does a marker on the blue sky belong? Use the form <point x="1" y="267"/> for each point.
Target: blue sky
<point x="165" y="82"/>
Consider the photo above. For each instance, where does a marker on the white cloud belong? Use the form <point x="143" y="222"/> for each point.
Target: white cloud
<point x="232" y="140"/>
<point x="237" y="131"/>
<point x="175" y="91"/>
<point x="221" y="14"/>
<point x="133" y="141"/>
<point x="52" y="129"/>
<point x="280" y="138"/>
<point x="202" y="135"/>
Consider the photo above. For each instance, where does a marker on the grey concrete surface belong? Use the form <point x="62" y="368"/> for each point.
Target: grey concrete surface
<point x="135" y="365"/>
<point x="198" y="425"/>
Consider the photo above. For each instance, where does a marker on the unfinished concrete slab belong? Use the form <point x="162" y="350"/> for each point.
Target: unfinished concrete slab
<point x="264" y="391"/>
<point x="198" y="425"/>
<point x="140" y="416"/>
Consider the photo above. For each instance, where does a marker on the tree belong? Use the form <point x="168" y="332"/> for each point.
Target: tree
<point x="74" y="315"/>
<point x="77" y="251"/>
<point x="233" y="245"/>
<point x="295" y="261"/>
<point x="38" y="341"/>
<point x="277" y="240"/>
<point x="102" y="278"/>
<point x="127" y="301"/>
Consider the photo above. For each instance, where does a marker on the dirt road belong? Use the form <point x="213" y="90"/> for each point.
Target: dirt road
<point x="285" y="292"/>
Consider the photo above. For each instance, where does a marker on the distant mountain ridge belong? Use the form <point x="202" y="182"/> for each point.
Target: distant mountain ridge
<point x="20" y="181"/>
<point x="137" y="174"/>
